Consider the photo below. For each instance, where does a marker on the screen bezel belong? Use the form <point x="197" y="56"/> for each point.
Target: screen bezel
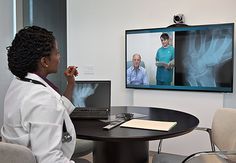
<point x="179" y="88"/>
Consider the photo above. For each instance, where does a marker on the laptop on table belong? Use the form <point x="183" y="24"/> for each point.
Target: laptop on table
<point x="92" y="99"/>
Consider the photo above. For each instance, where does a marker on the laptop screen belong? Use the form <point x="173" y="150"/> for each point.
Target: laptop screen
<point x="92" y="94"/>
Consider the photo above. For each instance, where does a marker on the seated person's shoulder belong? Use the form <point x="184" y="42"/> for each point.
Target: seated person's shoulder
<point x="40" y="93"/>
<point x="142" y="68"/>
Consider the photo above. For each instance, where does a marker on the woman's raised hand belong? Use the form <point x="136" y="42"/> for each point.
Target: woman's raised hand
<point x="70" y="74"/>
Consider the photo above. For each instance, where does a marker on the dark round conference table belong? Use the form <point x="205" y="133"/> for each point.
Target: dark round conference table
<point x="129" y="145"/>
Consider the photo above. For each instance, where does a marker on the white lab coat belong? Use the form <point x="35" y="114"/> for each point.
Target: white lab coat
<point x="33" y="117"/>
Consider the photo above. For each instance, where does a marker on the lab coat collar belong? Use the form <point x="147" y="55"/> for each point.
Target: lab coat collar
<point x="38" y="78"/>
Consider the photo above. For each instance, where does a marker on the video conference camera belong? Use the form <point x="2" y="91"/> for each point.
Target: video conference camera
<point x="178" y="18"/>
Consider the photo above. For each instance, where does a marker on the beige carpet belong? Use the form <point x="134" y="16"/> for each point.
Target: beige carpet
<point x="90" y="158"/>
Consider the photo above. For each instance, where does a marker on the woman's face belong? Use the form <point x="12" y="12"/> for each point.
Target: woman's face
<point x="53" y="60"/>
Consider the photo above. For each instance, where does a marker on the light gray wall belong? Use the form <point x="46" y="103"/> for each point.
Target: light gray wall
<point x="6" y="35"/>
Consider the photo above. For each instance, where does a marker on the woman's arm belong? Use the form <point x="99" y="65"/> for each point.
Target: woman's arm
<point x="70" y="74"/>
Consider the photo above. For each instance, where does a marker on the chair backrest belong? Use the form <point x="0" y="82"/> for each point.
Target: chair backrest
<point x="130" y="63"/>
<point x="13" y="153"/>
<point x="207" y="158"/>
<point x="224" y="130"/>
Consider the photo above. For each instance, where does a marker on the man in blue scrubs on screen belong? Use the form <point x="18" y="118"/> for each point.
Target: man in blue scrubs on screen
<point x="136" y="74"/>
<point x="165" y="61"/>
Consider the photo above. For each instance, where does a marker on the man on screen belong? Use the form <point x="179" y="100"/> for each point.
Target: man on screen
<point x="165" y="61"/>
<point x="136" y="74"/>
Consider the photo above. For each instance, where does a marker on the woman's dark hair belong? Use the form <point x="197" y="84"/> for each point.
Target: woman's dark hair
<point x="28" y="47"/>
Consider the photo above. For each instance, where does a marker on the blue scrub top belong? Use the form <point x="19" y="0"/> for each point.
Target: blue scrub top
<point x="164" y="55"/>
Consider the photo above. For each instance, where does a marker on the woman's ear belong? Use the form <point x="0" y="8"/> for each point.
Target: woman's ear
<point x="44" y="62"/>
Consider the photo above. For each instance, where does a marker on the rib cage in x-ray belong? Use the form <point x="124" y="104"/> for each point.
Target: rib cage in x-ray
<point x="205" y="50"/>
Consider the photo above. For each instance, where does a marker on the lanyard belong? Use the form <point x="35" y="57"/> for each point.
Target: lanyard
<point x="66" y="137"/>
<point x="32" y="81"/>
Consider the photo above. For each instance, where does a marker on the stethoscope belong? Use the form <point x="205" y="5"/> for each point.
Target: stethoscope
<point x="66" y="137"/>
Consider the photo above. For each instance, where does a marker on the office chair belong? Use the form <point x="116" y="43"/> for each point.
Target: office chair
<point x="82" y="148"/>
<point x="221" y="135"/>
<point x="130" y="63"/>
<point x="14" y="153"/>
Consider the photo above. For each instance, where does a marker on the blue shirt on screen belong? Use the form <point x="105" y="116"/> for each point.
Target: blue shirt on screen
<point x="165" y="55"/>
<point x="137" y="76"/>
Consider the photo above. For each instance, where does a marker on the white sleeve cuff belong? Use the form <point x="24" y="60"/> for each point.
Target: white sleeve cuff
<point x="68" y="105"/>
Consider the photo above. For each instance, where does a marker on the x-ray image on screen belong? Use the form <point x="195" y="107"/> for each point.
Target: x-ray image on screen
<point x="81" y="92"/>
<point x="204" y="56"/>
<point x="91" y="94"/>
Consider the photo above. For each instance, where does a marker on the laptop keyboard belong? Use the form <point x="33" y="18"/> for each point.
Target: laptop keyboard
<point x="89" y="114"/>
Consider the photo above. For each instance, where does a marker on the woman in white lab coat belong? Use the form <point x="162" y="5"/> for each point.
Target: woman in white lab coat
<point x="35" y="114"/>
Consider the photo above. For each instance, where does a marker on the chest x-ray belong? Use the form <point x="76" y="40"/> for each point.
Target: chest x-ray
<point x="204" y="54"/>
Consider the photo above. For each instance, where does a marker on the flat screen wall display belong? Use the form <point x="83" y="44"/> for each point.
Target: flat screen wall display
<point x="189" y="58"/>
